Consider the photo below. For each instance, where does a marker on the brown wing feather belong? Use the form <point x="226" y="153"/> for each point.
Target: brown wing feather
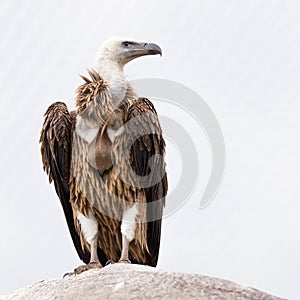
<point x="142" y="150"/>
<point x="56" y="139"/>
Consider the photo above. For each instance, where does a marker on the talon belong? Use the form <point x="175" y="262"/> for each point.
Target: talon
<point x="68" y="274"/>
<point x="91" y="265"/>
<point x="109" y="262"/>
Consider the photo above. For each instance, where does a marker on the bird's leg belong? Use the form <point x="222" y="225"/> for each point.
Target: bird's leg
<point x="128" y="227"/>
<point x="94" y="255"/>
<point x="125" y="248"/>
<point x="94" y="260"/>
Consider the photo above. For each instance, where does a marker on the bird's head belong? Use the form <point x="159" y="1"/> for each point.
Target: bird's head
<point x="122" y="50"/>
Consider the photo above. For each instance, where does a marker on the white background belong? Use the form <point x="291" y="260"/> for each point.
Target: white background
<point x="242" y="57"/>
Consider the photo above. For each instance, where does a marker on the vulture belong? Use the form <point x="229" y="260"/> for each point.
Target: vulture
<point x="107" y="162"/>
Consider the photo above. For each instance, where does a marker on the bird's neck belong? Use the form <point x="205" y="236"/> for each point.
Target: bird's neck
<point x="113" y="74"/>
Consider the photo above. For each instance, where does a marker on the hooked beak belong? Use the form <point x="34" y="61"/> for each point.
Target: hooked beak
<point x="151" y="49"/>
<point x="140" y="49"/>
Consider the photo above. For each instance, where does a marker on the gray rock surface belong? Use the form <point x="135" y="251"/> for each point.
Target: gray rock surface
<point x="122" y="281"/>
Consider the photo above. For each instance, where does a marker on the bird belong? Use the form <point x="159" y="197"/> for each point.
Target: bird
<point x="106" y="159"/>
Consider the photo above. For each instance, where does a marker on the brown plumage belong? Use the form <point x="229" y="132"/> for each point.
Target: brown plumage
<point x="105" y="177"/>
<point x="107" y="163"/>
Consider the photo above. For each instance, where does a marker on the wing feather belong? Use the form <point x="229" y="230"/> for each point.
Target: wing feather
<point x="143" y="148"/>
<point x="56" y="141"/>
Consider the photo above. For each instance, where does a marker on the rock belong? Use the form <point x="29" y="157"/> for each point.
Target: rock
<point x="124" y="281"/>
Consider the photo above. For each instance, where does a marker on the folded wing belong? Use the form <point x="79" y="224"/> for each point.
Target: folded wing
<point x="147" y="160"/>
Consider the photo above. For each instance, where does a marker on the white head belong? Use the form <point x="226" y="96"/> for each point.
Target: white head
<point x="112" y="57"/>
<point x="121" y="51"/>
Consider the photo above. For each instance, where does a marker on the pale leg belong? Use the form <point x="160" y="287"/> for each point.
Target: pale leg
<point x="94" y="254"/>
<point x="128" y="227"/>
<point x="125" y="248"/>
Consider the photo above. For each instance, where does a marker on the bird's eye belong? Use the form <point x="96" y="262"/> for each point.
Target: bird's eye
<point x="126" y="44"/>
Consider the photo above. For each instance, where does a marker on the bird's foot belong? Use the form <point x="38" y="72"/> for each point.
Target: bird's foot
<point x="124" y="261"/>
<point x="80" y="269"/>
<point x="83" y="268"/>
